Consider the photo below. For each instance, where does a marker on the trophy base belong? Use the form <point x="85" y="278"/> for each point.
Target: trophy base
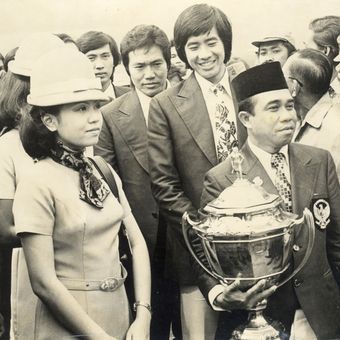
<point x="259" y="328"/>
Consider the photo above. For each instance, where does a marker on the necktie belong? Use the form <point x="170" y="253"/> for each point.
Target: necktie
<point x="281" y="182"/>
<point x="225" y="129"/>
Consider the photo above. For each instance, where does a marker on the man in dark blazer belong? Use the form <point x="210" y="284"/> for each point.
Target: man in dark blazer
<point x="183" y="146"/>
<point x="145" y="53"/>
<point x="309" y="304"/>
<point x="101" y="49"/>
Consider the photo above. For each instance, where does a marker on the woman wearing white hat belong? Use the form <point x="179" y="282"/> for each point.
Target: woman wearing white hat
<point x="14" y="162"/>
<point x="65" y="210"/>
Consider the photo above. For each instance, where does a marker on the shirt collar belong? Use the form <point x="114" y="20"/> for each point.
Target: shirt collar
<point x="206" y="85"/>
<point x="110" y="92"/>
<point x="144" y="102"/>
<point x="264" y="156"/>
<point x="335" y="84"/>
<point x="316" y="114"/>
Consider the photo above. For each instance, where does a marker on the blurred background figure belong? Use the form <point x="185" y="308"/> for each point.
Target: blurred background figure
<point x="308" y="74"/>
<point x="178" y="70"/>
<point x="2" y="67"/>
<point x="322" y="35"/>
<point x="277" y="47"/>
<point x="101" y="49"/>
<point x="14" y="162"/>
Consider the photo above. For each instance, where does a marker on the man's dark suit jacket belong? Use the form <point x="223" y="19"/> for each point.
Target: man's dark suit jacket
<point x="316" y="286"/>
<point x="123" y="144"/>
<point x="181" y="151"/>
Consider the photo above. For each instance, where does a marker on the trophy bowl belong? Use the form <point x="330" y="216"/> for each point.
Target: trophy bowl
<point x="246" y="234"/>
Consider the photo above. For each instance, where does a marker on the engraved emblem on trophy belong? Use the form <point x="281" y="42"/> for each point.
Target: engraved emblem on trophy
<point x="245" y="234"/>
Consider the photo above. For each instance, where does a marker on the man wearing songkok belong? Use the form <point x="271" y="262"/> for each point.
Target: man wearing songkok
<point x="274" y="47"/>
<point x="308" y="305"/>
<point x="192" y="127"/>
<point x="308" y="74"/>
<point x="101" y="49"/>
<point x="145" y="52"/>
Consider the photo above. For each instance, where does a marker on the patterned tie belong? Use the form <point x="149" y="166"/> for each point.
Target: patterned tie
<point x="281" y="182"/>
<point x="226" y="137"/>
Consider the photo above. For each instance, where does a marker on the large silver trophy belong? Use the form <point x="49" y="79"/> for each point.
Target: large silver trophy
<point x="245" y="234"/>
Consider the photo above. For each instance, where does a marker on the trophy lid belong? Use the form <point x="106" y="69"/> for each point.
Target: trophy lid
<point x="242" y="196"/>
<point x="244" y="208"/>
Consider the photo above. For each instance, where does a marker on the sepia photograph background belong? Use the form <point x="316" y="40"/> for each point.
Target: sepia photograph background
<point x="251" y="19"/>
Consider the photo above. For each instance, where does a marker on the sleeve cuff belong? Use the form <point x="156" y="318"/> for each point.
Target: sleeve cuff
<point x="212" y="295"/>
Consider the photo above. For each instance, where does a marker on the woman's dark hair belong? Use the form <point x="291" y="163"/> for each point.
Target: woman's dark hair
<point x="200" y="19"/>
<point x="36" y="138"/>
<point x="93" y="40"/>
<point x="144" y="36"/>
<point x="14" y="90"/>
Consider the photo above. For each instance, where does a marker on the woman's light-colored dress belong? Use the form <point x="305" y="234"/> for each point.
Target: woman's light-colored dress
<point x="85" y="241"/>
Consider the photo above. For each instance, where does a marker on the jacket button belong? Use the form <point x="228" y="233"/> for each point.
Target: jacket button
<point x="297" y="282"/>
<point x="296" y="247"/>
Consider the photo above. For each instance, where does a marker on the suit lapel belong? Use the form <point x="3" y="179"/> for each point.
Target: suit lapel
<point x="191" y="106"/>
<point x="132" y="126"/>
<point x="303" y="172"/>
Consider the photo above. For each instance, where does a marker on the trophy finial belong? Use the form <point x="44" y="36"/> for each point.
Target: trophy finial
<point x="236" y="161"/>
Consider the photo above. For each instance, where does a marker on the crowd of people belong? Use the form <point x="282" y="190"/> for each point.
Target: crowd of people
<point x="165" y="139"/>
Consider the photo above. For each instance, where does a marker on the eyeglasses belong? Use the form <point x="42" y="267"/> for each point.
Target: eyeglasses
<point x="297" y="80"/>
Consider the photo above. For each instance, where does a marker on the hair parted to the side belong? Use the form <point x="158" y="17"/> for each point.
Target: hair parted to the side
<point x="14" y="90"/>
<point x="200" y="19"/>
<point x="326" y="30"/>
<point x="93" y="40"/>
<point x="36" y="138"/>
<point x="144" y="36"/>
<point x="313" y="69"/>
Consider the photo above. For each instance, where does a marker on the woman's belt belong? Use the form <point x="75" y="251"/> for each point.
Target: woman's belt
<point x="108" y="284"/>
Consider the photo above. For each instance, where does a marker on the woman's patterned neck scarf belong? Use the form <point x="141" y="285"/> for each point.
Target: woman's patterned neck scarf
<point x="92" y="189"/>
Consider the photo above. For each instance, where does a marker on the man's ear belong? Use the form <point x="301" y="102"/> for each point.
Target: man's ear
<point x="296" y="88"/>
<point x="50" y="121"/>
<point x="244" y="117"/>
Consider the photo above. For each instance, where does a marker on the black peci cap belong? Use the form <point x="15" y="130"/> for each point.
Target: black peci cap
<point x="262" y="78"/>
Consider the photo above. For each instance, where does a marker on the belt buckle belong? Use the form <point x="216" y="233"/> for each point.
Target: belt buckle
<point x="109" y="284"/>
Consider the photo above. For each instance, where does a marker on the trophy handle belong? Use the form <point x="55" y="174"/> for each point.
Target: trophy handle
<point x="308" y="218"/>
<point x="187" y="224"/>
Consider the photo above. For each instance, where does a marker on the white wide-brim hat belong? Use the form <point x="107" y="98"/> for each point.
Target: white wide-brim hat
<point x="30" y="50"/>
<point x="64" y="76"/>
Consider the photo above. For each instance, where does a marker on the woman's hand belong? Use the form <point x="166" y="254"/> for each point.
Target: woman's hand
<point x="140" y="328"/>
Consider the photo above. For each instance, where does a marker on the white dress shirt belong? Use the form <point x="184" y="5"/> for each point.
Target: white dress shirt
<point x="110" y="91"/>
<point x="145" y="104"/>
<point x="145" y="101"/>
